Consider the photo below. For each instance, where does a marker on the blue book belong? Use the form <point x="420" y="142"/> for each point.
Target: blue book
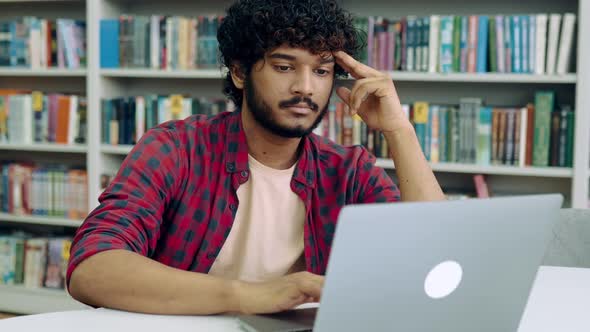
<point x="106" y="121"/>
<point x="484" y="136"/>
<point x="19" y="36"/>
<point x="532" y="43"/>
<point x="482" y="44"/>
<point x="463" y="42"/>
<point x="411" y="43"/>
<point x="109" y="43"/>
<point x="516" y="44"/>
<point x="524" y="32"/>
<point x="446" y="44"/>
<point x="5" y="187"/>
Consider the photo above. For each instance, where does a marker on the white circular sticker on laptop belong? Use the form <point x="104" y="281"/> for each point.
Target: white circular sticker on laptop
<point x="443" y="279"/>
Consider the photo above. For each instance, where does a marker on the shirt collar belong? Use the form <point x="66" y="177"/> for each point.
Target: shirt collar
<point x="236" y="152"/>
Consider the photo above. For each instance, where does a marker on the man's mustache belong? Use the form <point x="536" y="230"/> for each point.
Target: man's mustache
<point x="297" y="100"/>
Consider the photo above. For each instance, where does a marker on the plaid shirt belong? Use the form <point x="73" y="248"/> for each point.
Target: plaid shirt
<point x="174" y="198"/>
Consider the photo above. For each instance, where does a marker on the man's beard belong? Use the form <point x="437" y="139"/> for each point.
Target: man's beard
<point x="262" y="112"/>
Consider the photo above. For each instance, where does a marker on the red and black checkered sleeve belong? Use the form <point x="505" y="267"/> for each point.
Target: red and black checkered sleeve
<point x="130" y="212"/>
<point x="374" y="184"/>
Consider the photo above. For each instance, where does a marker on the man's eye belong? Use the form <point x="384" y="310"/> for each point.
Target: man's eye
<point x="322" y="72"/>
<point x="283" y="68"/>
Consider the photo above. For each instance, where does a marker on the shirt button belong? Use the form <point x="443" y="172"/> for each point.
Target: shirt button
<point x="244" y="174"/>
<point x="230" y="167"/>
<point x="232" y="207"/>
<point x="210" y="255"/>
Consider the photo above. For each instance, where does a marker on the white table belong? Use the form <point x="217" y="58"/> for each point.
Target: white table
<point x="559" y="302"/>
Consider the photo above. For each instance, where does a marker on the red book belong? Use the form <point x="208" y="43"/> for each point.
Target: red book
<point x="481" y="187"/>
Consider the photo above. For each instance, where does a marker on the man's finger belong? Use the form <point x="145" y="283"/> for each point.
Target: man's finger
<point x="356" y="69"/>
<point x="344" y="94"/>
<point x="310" y="284"/>
<point x="361" y="90"/>
<point x="311" y="288"/>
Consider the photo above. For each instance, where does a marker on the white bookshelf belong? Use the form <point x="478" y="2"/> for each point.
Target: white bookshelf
<point x="45" y="147"/>
<point x="151" y="73"/>
<point x="116" y="149"/>
<point x="399" y="76"/>
<point x="39" y="220"/>
<point x="508" y="89"/>
<point x="546" y="172"/>
<point x="483" y="78"/>
<point x="22" y="300"/>
<point x="496" y="88"/>
<point x="50" y="72"/>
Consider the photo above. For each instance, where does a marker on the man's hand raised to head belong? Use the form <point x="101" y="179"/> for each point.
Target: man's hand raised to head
<point x="278" y="295"/>
<point x="373" y="96"/>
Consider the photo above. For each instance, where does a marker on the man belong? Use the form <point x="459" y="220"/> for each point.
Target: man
<point x="236" y="213"/>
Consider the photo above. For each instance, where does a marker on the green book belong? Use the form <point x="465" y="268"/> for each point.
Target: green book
<point x="569" y="146"/>
<point x="453" y="134"/>
<point x="361" y="25"/>
<point x="19" y="264"/>
<point x="544" y="101"/>
<point x="457" y="44"/>
<point x="492" y="46"/>
<point x="3" y="121"/>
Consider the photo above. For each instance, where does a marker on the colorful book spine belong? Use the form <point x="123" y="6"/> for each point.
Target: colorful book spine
<point x="544" y="103"/>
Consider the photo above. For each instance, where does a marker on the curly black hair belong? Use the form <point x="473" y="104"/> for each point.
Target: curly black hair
<point x="252" y="28"/>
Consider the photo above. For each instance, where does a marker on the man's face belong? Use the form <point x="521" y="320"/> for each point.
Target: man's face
<point x="288" y="91"/>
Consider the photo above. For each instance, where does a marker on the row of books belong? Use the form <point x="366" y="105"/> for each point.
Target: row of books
<point x="537" y="134"/>
<point x="534" y="135"/>
<point x="32" y="116"/>
<point x="471" y="133"/>
<point x="159" y="42"/>
<point x="124" y="120"/>
<point x="29" y="189"/>
<point x="39" y="43"/>
<point x="34" y="262"/>
<point x="535" y="43"/>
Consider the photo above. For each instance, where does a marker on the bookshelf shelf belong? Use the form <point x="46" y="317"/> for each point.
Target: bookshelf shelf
<point x="45" y="147"/>
<point x="39" y="220"/>
<point x="52" y="72"/>
<point x="25" y="1"/>
<point x="116" y="149"/>
<point x="396" y="75"/>
<point x="549" y="172"/>
<point x="154" y="73"/>
<point x="483" y="78"/>
<point x="22" y="300"/>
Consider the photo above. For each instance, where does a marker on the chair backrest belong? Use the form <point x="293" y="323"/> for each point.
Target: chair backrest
<point x="570" y="245"/>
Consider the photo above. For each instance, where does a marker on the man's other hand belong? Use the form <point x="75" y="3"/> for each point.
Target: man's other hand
<point x="278" y="295"/>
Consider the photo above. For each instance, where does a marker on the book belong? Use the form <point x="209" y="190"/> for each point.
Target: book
<point x="552" y="43"/>
<point x="544" y="103"/>
<point x="564" y="53"/>
<point x="540" y="43"/>
<point x="481" y="186"/>
<point x="109" y="50"/>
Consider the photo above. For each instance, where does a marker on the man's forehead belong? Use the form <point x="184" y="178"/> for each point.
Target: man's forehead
<point x="300" y="53"/>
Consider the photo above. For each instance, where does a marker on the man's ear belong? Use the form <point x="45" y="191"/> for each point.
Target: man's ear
<point x="237" y="76"/>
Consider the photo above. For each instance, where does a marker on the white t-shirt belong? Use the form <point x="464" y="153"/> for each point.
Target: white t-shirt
<point x="266" y="239"/>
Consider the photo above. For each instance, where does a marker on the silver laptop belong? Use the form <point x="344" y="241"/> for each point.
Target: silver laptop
<point x="429" y="266"/>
